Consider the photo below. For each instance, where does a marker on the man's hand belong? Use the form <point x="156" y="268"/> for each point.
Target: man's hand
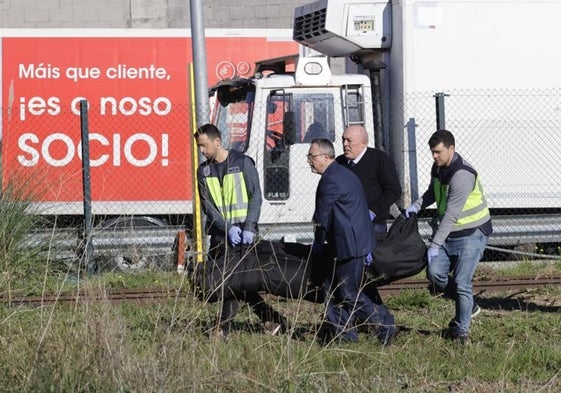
<point x="247" y="237"/>
<point x="432" y="253"/>
<point x="234" y="235"/>
<point x="411" y="210"/>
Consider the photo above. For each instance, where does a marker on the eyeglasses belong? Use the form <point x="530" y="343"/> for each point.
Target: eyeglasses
<point x="311" y="156"/>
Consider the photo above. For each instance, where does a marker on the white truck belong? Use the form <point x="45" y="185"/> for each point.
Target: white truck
<point x="492" y="63"/>
<point x="494" y="60"/>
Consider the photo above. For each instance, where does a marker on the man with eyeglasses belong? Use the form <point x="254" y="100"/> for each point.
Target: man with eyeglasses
<point x="343" y="226"/>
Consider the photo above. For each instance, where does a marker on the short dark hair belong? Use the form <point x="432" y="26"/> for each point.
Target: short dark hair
<point x="325" y="146"/>
<point x="442" y="136"/>
<point x="209" y="130"/>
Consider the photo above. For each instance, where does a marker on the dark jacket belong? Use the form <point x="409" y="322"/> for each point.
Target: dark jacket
<point x="379" y="179"/>
<point x="341" y="214"/>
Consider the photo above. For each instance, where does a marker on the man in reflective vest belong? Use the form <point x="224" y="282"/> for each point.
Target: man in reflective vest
<point x="229" y="191"/>
<point x="231" y="200"/>
<point x="464" y="225"/>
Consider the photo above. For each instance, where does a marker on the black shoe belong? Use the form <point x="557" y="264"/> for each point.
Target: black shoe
<point x="325" y="334"/>
<point x="452" y="334"/>
<point x="464" y="339"/>
<point x="461" y="339"/>
<point x="475" y="310"/>
<point x="387" y="339"/>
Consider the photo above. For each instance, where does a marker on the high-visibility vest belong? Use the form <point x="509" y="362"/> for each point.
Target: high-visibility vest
<point x="230" y="195"/>
<point x="475" y="211"/>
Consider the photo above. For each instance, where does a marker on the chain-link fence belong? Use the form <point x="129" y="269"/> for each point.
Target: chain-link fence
<point x="511" y="137"/>
<point x="142" y="158"/>
<point x="140" y="176"/>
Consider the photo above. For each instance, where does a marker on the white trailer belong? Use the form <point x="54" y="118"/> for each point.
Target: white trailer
<point x="481" y="48"/>
<point x="497" y="66"/>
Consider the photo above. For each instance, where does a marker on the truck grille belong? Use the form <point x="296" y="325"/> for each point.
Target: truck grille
<point x="310" y="28"/>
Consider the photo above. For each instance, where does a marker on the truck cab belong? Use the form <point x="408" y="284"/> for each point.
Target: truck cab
<point x="273" y="116"/>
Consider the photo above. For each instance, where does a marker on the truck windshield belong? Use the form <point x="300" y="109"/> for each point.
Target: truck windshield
<point x="313" y="115"/>
<point x="234" y="122"/>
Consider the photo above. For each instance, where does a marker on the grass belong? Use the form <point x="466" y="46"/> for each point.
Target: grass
<point x="540" y="269"/>
<point x="168" y="346"/>
<point x="19" y="255"/>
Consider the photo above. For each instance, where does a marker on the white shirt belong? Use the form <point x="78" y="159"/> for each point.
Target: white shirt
<point x="357" y="159"/>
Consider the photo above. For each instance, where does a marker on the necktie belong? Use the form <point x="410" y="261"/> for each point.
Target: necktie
<point x="351" y="164"/>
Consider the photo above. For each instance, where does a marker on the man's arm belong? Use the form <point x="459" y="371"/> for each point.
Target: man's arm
<point x="254" y="194"/>
<point x="460" y="187"/>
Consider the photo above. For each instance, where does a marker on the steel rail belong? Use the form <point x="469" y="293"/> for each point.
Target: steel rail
<point x="150" y="296"/>
<point x="479" y="286"/>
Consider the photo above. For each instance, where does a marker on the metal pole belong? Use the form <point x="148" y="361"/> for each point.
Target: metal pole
<point x="377" y="106"/>
<point x="375" y="67"/>
<point x="87" y="235"/>
<point x="202" y="112"/>
<point x="197" y="208"/>
<point x="440" y="111"/>
<point x="199" y="62"/>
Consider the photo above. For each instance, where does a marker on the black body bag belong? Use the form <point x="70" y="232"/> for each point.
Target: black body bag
<point x="400" y="253"/>
<point x="273" y="267"/>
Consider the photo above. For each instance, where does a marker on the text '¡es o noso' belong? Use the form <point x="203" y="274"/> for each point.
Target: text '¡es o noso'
<point x="108" y="106"/>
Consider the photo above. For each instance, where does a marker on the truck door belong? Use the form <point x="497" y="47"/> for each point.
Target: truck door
<point x="294" y="118"/>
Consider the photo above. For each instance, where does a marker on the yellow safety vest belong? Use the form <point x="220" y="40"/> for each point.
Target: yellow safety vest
<point x="230" y="197"/>
<point x="475" y="211"/>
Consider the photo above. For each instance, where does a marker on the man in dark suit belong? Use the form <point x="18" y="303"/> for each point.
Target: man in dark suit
<point x="342" y="220"/>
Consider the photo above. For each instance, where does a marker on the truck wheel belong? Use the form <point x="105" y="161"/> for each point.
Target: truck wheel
<point x="126" y="263"/>
<point x="132" y="250"/>
<point x="524" y="251"/>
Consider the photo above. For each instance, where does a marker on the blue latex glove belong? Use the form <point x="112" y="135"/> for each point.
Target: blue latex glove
<point x="372" y="215"/>
<point x="317" y="247"/>
<point x="368" y="259"/>
<point x="411" y="209"/>
<point x="234" y="235"/>
<point x="247" y="237"/>
<point x="432" y="252"/>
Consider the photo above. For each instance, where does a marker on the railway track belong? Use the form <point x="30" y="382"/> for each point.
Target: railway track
<point x="507" y="284"/>
<point x="150" y="296"/>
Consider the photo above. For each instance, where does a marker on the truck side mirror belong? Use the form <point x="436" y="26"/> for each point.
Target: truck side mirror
<point x="289" y="129"/>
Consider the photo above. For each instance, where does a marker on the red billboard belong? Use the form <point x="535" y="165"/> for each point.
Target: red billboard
<point x="139" y="115"/>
